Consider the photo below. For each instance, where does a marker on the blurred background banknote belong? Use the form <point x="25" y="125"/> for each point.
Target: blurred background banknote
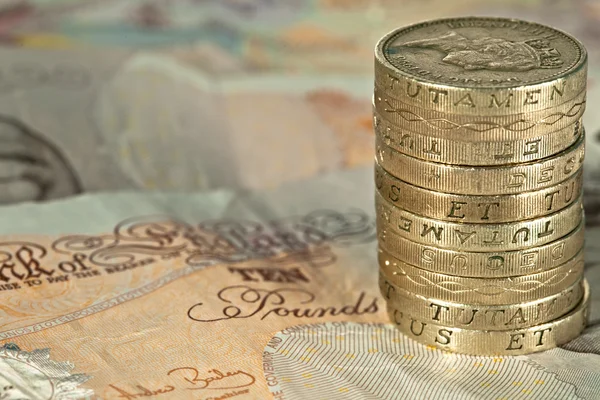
<point x="259" y="112"/>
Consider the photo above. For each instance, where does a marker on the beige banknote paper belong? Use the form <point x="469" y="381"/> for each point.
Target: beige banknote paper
<point x="218" y="295"/>
<point x="179" y="305"/>
<point x="75" y="121"/>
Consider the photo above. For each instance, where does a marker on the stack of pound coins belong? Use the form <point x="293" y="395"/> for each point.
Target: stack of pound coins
<point x="478" y="172"/>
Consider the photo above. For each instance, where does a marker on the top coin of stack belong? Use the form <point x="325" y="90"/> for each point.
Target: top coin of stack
<point x="479" y="149"/>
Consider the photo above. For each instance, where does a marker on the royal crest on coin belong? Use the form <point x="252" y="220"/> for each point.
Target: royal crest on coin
<point x="491" y="53"/>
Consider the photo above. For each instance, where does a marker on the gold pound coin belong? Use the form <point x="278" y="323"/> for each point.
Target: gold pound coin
<point x="483" y="317"/>
<point x="496" y="180"/>
<point x="478" y="237"/>
<point x="481" y="65"/>
<point x="475" y="152"/>
<point x="480" y="291"/>
<point x="494" y="343"/>
<point x="496" y="264"/>
<point x="477" y="209"/>
<point x="480" y="127"/>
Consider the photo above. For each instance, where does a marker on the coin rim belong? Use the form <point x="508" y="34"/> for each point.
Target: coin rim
<point x="577" y="233"/>
<point x="573" y="268"/>
<point x="401" y="296"/>
<point x="562" y="225"/>
<point x="582" y="310"/>
<point x="448" y="172"/>
<point x="435" y="204"/>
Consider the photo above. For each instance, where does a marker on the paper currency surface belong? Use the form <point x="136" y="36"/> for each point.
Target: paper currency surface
<point x="116" y="120"/>
<point x="232" y="295"/>
<point x="111" y="293"/>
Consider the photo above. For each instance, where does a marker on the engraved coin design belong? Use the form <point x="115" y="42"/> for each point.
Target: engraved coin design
<point x="480" y="291"/>
<point x="494" y="343"/>
<point x="495" y="52"/>
<point x="492" y="53"/>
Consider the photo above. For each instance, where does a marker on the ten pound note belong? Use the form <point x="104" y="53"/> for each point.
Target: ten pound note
<point x="225" y="295"/>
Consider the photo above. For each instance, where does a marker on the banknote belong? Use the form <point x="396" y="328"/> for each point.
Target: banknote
<point x="225" y="294"/>
<point x="79" y="121"/>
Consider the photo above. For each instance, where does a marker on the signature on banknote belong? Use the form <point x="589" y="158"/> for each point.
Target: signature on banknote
<point x="216" y="379"/>
<point x="141" y="391"/>
<point x="190" y="378"/>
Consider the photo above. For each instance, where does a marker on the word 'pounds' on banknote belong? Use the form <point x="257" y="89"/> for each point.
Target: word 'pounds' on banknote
<point x="247" y="296"/>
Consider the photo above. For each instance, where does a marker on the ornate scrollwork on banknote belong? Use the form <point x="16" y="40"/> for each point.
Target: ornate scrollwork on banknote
<point x="144" y="254"/>
<point x="226" y="241"/>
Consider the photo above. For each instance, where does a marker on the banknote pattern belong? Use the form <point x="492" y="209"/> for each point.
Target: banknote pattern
<point x="144" y="254"/>
<point x="330" y="359"/>
<point x="222" y="274"/>
<point x="48" y="379"/>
